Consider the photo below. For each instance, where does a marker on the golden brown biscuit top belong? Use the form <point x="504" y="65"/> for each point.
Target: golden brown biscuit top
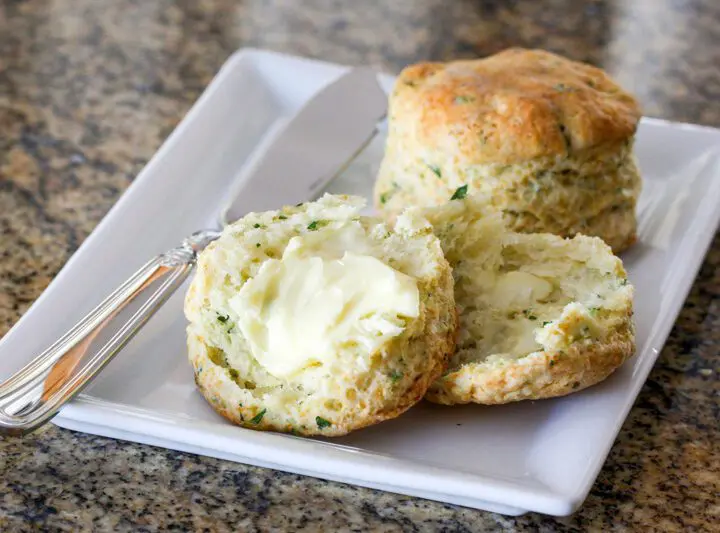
<point x="513" y="106"/>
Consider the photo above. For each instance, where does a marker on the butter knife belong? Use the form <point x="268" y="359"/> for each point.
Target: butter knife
<point x="338" y="122"/>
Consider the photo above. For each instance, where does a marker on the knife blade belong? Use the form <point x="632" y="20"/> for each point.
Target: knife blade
<point x="313" y="147"/>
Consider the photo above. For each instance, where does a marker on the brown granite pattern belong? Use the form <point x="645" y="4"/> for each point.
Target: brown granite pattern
<point x="88" y="90"/>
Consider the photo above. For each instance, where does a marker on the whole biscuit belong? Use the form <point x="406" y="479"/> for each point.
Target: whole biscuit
<point x="549" y="139"/>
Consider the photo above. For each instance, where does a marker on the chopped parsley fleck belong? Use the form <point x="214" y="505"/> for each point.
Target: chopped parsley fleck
<point x="233" y="374"/>
<point x="282" y="217"/>
<point x="262" y="226"/>
<point x="529" y="314"/>
<point x="435" y="170"/>
<point x="257" y="245"/>
<point x="547" y="322"/>
<point x="317" y="224"/>
<point x="395" y="376"/>
<point x="384" y="198"/>
<point x="463" y="99"/>
<point x="322" y="423"/>
<point x="593" y="311"/>
<point x="299" y="205"/>
<point x="460" y="193"/>
<point x="258" y="417"/>
<point x="223" y="318"/>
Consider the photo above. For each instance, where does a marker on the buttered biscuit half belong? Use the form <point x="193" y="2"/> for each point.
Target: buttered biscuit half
<point x="316" y="320"/>
<point x="540" y="316"/>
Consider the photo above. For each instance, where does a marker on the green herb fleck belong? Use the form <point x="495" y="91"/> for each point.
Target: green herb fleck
<point x="552" y="363"/>
<point x="317" y="224"/>
<point x="395" y="376"/>
<point x="257" y="245"/>
<point x="547" y="322"/>
<point x="463" y="99"/>
<point x="258" y="417"/>
<point x="299" y="205"/>
<point x="384" y="197"/>
<point x="282" y="217"/>
<point x="322" y="423"/>
<point x="223" y="318"/>
<point x="529" y="314"/>
<point x="233" y="374"/>
<point x="594" y="311"/>
<point x="623" y="282"/>
<point x="257" y="226"/>
<point x="435" y="170"/>
<point x="460" y="193"/>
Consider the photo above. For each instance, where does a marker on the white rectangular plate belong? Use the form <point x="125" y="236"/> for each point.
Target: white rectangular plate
<point x="532" y="456"/>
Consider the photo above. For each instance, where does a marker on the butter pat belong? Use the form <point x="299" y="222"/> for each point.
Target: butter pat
<point x="520" y="289"/>
<point x="303" y="310"/>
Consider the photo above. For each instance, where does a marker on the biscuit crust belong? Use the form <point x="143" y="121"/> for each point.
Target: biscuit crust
<point x="513" y="106"/>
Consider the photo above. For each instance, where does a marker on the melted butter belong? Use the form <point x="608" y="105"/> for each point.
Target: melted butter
<point x="520" y="289"/>
<point x="303" y="310"/>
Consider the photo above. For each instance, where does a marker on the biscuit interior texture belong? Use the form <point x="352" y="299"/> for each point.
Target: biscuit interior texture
<point x="549" y="141"/>
<point x="540" y="316"/>
<point x="372" y="375"/>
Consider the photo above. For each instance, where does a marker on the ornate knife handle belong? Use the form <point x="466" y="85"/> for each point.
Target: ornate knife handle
<point x="32" y="396"/>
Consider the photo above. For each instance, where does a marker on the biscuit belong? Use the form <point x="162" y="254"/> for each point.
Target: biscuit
<point x="376" y="373"/>
<point x="547" y="139"/>
<point x="540" y="316"/>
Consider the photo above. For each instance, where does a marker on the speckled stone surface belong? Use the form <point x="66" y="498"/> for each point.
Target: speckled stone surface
<point x="88" y="91"/>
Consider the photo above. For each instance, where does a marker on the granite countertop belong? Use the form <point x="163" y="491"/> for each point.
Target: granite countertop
<point x="89" y="90"/>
